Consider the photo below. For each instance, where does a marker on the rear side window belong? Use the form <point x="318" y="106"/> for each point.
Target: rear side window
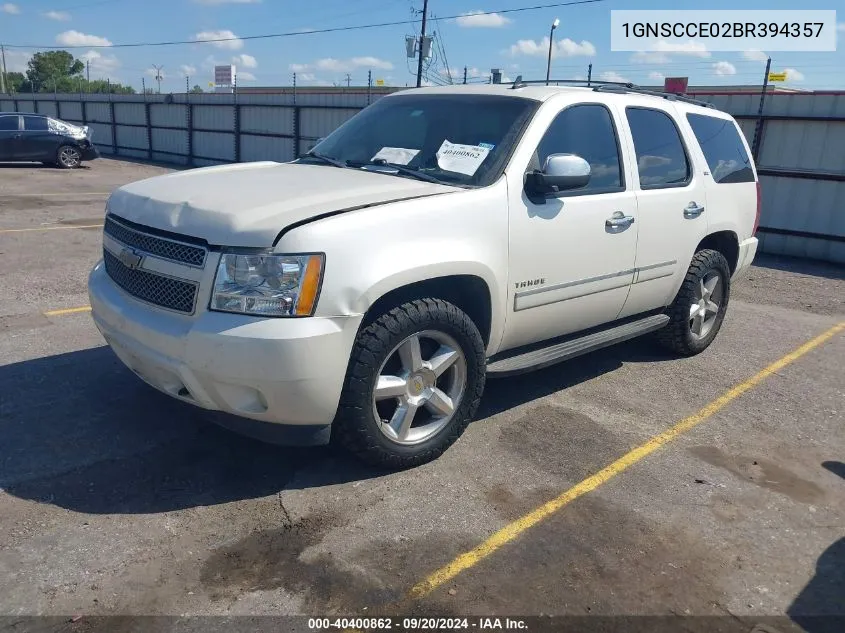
<point x="9" y="122"/>
<point x="34" y="123"/>
<point x="723" y="148"/>
<point x="661" y="159"/>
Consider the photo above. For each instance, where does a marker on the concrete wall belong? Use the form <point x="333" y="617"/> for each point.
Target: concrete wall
<point x="799" y="151"/>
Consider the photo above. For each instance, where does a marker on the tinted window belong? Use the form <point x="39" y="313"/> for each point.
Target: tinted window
<point x="661" y="160"/>
<point x="588" y="131"/>
<point x="34" y="123"/>
<point x="723" y="148"/>
<point x="417" y="131"/>
<point x="8" y="122"/>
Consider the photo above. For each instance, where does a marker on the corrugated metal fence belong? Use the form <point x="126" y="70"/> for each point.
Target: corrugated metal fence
<point x="800" y="149"/>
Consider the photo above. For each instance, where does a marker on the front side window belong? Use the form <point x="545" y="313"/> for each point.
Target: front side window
<point x="588" y="131"/>
<point x="661" y="159"/>
<point x="35" y="123"/>
<point x="461" y="139"/>
<point x="8" y="123"/>
<point x="723" y="148"/>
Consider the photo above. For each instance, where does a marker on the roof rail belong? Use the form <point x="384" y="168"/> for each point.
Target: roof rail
<point x="612" y="86"/>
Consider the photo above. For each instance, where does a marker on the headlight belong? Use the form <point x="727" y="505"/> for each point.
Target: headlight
<point x="267" y="285"/>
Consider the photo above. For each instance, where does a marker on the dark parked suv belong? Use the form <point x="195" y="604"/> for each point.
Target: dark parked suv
<point x="36" y="137"/>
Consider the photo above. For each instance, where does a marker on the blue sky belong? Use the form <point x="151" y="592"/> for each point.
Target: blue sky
<point x="513" y="42"/>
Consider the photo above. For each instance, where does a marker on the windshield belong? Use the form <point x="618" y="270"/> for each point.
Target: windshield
<point x="456" y="139"/>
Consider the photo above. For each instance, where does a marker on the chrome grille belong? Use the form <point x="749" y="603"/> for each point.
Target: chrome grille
<point x="172" y="294"/>
<point x="158" y="246"/>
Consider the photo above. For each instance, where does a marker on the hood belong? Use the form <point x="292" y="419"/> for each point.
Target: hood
<point x="249" y="204"/>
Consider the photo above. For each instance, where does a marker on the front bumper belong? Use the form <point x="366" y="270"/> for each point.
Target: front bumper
<point x="747" y="252"/>
<point x="282" y="371"/>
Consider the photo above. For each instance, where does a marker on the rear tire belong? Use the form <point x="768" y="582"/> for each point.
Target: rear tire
<point x="698" y="310"/>
<point x="68" y="157"/>
<point x="415" y="379"/>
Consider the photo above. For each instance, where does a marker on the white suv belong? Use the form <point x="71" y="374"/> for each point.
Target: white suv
<point x="363" y="292"/>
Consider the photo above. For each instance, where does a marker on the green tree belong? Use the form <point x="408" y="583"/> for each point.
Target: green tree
<point x="103" y="86"/>
<point x="196" y="89"/>
<point x="14" y="82"/>
<point x="54" y="71"/>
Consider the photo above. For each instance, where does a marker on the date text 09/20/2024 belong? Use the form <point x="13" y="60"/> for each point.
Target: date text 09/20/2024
<point x="390" y="623"/>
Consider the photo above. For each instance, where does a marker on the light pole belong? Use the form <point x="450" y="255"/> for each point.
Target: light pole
<point x="555" y="24"/>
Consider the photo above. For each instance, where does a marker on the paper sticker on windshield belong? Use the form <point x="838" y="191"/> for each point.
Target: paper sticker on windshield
<point x="396" y="155"/>
<point x="462" y="159"/>
<point x="489" y="146"/>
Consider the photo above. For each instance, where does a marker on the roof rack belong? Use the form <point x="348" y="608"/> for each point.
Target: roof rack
<point x="611" y="86"/>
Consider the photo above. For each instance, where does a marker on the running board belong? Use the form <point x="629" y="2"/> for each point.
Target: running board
<point x="539" y="358"/>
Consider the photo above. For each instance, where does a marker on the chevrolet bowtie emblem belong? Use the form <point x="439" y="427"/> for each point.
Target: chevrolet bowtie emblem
<point x="130" y="258"/>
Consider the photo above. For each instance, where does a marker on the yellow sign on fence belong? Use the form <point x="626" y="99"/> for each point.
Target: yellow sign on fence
<point x="777" y="76"/>
<point x="379" y="82"/>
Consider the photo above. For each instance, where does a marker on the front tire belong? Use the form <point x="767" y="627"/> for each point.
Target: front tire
<point x="697" y="313"/>
<point x="414" y="381"/>
<point x="68" y="157"/>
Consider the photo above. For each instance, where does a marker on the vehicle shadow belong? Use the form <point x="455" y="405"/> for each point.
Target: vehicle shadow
<point x="81" y="432"/>
<point x="38" y="166"/>
<point x="811" y="267"/>
<point x="820" y="607"/>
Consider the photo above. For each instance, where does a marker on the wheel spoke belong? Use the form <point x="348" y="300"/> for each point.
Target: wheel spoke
<point x="710" y="285"/>
<point x="389" y="387"/>
<point x="711" y="307"/>
<point x="439" y="403"/>
<point x="410" y="354"/>
<point x="693" y="310"/>
<point x="402" y="419"/>
<point x="443" y="359"/>
<point x="702" y="290"/>
<point x="697" y="324"/>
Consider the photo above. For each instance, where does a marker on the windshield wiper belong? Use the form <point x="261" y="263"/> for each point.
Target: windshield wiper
<point x="326" y="159"/>
<point x="407" y="171"/>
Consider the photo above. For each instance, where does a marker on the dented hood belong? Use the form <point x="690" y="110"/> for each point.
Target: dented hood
<point x="249" y="204"/>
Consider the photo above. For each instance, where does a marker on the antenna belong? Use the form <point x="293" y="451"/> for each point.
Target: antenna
<point x="158" y="76"/>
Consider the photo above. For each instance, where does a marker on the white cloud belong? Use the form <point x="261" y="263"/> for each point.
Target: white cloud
<point x="16" y="61"/>
<point x="612" y="75"/>
<point x="643" y="57"/>
<point x="330" y="64"/>
<point x="307" y="77"/>
<point x="724" y="68"/>
<point x="656" y="76"/>
<point x="245" y="76"/>
<point x="59" y="16"/>
<point x="11" y="9"/>
<point x="480" y="19"/>
<point x="187" y="70"/>
<point x="101" y="65"/>
<point x="215" y="2"/>
<point x="75" y="38"/>
<point x="244" y="60"/>
<point x="793" y="74"/>
<point x="562" y="48"/>
<point x="230" y="41"/>
<point x="695" y="49"/>
<point x="755" y="56"/>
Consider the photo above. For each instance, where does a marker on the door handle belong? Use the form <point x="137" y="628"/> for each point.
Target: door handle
<point x="693" y="210"/>
<point x="619" y="221"/>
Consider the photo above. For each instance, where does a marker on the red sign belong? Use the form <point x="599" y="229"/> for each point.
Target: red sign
<point x="676" y="85"/>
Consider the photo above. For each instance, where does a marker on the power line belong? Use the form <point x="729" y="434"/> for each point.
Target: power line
<point x="309" y="32"/>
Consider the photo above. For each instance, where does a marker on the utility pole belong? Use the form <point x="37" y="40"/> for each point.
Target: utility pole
<point x="348" y="80"/>
<point x="422" y="44"/>
<point x="369" y="86"/>
<point x="758" y="129"/>
<point x="88" y="72"/>
<point x="465" y="74"/>
<point x="158" y="76"/>
<point x="589" y="74"/>
<point x="294" y="88"/>
<point x="555" y="24"/>
<point x="3" y="69"/>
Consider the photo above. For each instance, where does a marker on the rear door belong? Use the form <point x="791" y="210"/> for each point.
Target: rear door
<point x="9" y="136"/>
<point x="671" y="200"/>
<point x="38" y="142"/>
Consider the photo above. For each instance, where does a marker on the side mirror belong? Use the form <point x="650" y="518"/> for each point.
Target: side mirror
<point x="562" y="172"/>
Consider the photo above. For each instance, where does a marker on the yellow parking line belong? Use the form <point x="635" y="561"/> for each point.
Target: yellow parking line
<point x="52" y="228"/>
<point x="64" y="195"/>
<point x="67" y="311"/>
<point x="516" y="528"/>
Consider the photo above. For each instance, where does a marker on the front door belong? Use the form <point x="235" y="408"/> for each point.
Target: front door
<point x="572" y="253"/>
<point x="10" y="136"/>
